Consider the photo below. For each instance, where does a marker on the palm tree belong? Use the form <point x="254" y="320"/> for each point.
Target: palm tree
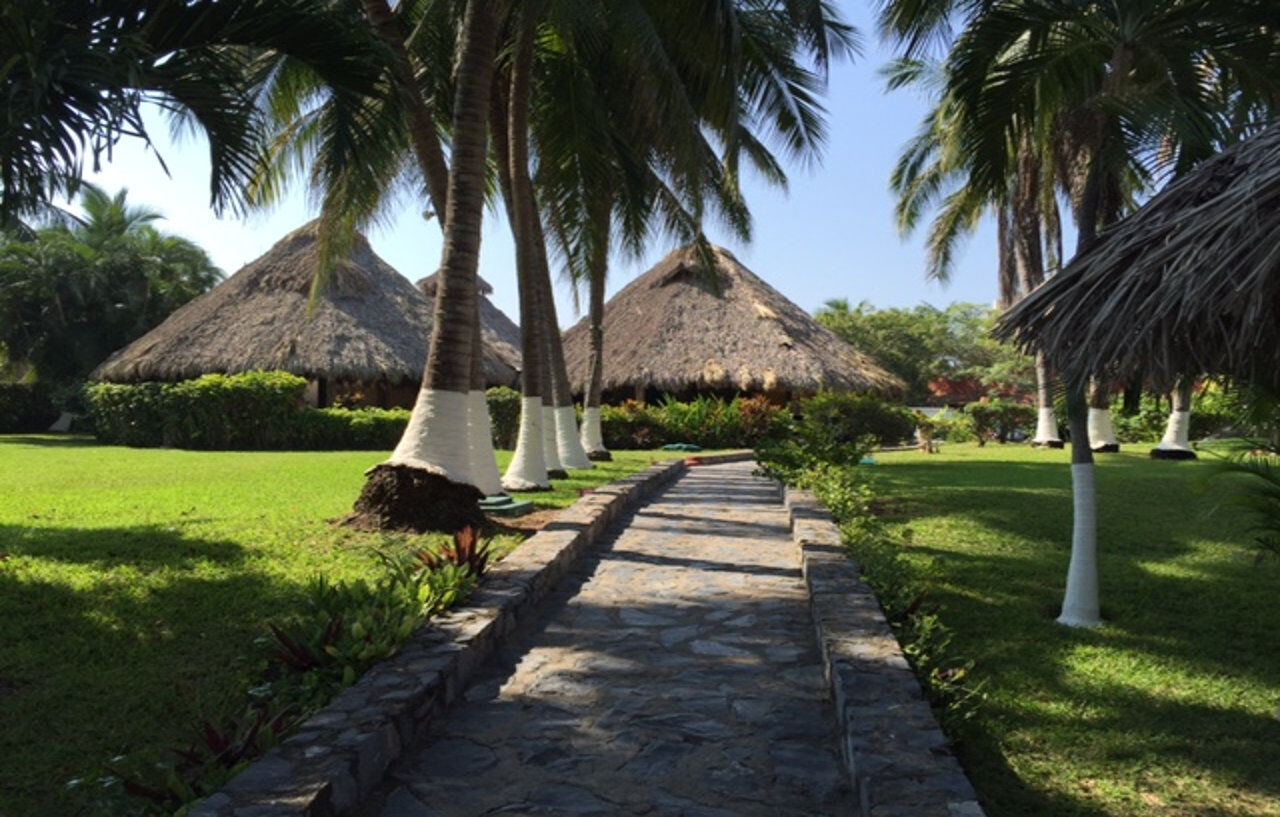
<point x="1129" y="82"/>
<point x="77" y="76"/>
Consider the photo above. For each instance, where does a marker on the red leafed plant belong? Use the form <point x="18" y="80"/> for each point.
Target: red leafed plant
<point x="467" y="551"/>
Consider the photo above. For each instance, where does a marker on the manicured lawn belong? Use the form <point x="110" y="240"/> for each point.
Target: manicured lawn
<point x="133" y="583"/>
<point x="1171" y="708"/>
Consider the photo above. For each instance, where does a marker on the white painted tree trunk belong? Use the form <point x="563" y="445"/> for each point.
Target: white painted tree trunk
<point x="569" y="446"/>
<point x="484" y="464"/>
<point x="1046" y="427"/>
<point x="528" y="468"/>
<point x="1177" y="433"/>
<point x="1080" y="606"/>
<point x="592" y="433"/>
<point x="550" y="452"/>
<point x="437" y="437"/>
<point x="1101" y="430"/>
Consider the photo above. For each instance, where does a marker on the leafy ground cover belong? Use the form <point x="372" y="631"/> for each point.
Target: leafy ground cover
<point x="133" y="583"/>
<point x="1169" y="709"/>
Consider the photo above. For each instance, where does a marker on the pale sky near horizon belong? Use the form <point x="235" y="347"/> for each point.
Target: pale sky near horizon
<point x="830" y="236"/>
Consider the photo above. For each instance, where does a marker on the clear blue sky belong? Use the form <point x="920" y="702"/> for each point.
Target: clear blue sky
<point x="831" y="235"/>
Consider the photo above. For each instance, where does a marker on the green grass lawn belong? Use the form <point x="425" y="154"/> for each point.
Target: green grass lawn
<point x="1169" y="709"/>
<point x="134" y="581"/>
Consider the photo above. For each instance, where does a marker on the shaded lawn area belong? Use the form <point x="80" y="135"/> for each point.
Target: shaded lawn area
<point x="134" y="581"/>
<point x="1171" y="708"/>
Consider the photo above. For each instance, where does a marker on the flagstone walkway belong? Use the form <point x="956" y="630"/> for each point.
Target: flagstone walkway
<point x="677" y="674"/>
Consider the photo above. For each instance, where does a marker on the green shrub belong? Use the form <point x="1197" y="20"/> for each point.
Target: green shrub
<point x="504" y="415"/>
<point x="1000" y="419"/>
<point x="837" y="429"/>
<point x="254" y="411"/>
<point x="26" y="407"/>
<point x="337" y="429"/>
<point x="1212" y="411"/>
<point x="129" y="414"/>
<point x="709" y="422"/>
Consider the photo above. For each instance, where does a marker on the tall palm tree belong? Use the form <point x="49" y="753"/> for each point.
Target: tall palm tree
<point x="1128" y="80"/>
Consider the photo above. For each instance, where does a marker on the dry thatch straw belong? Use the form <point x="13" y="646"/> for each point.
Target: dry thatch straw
<point x="675" y="330"/>
<point x="501" y="334"/>
<point x="1190" y="284"/>
<point x="371" y="325"/>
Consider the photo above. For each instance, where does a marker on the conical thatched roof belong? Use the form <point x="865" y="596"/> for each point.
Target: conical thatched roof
<point x="673" y="330"/>
<point x="500" y="333"/>
<point x="1190" y="284"/>
<point x="371" y="325"/>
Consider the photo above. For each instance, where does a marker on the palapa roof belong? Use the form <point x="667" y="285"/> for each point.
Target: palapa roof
<point x="371" y="324"/>
<point x="1188" y="285"/>
<point x="675" y="330"/>
<point x="500" y="333"/>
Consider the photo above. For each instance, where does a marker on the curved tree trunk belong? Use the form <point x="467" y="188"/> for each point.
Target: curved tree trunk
<point x="1176" y="443"/>
<point x="569" y="450"/>
<point x="484" y="463"/>
<point x="528" y="469"/>
<point x="428" y="481"/>
<point x="592" y="434"/>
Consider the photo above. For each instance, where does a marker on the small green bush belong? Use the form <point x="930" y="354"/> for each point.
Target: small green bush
<point x="709" y="422"/>
<point x="337" y="429"/>
<point x="504" y="415"/>
<point x="129" y="414"/>
<point x="1000" y="419"/>
<point x="838" y="429"/>
<point x="25" y="407"/>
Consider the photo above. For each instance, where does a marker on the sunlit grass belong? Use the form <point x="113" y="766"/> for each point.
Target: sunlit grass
<point x="1171" y="707"/>
<point x="133" y="582"/>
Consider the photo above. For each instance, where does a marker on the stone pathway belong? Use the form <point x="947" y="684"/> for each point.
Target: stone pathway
<point x="676" y="675"/>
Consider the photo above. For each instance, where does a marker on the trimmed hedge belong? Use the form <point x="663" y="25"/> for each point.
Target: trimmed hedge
<point x="25" y="407"/>
<point x="256" y="411"/>
<point x="708" y="422"/>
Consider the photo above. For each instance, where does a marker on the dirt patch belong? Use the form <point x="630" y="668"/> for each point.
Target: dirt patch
<point x="528" y="524"/>
<point x="398" y="497"/>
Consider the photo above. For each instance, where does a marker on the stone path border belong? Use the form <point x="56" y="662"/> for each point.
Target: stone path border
<point x="898" y="760"/>
<point x="341" y="754"/>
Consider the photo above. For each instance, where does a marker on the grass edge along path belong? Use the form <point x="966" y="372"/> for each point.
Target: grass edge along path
<point x="1171" y="707"/>
<point x="133" y="583"/>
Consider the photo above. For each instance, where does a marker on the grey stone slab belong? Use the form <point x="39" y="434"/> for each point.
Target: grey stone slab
<point x="402" y="803"/>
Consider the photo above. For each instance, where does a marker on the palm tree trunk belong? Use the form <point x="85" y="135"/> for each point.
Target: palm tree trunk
<point x="1046" y="420"/>
<point x="484" y="464"/>
<point x="422" y="127"/>
<point x="1081" y="605"/>
<point x="592" y="434"/>
<point x="528" y="468"/>
<point x="428" y="483"/>
<point x="1176" y="444"/>
<point x="1102" y="432"/>
<point x="569" y="449"/>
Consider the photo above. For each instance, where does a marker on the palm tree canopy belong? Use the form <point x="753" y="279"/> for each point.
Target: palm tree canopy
<point x="1190" y="284"/>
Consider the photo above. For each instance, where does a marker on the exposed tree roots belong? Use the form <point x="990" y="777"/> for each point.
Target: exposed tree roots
<point x="398" y="497"/>
<point x="599" y="456"/>
<point x="1109" y="448"/>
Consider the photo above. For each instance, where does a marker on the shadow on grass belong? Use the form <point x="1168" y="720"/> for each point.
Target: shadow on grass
<point x="52" y="440"/>
<point x="124" y="652"/>
<point x="146" y="547"/>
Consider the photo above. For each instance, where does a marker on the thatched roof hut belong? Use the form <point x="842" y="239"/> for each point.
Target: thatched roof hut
<point x="371" y="326"/>
<point x="679" y="330"/>
<point x="1190" y="284"/>
<point x="500" y="333"/>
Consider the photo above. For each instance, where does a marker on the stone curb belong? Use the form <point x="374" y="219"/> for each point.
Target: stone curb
<point x="899" y="762"/>
<point x="342" y="753"/>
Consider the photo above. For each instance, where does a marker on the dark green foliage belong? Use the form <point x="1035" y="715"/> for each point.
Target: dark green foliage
<point x="902" y="591"/>
<point x="1212" y="411"/>
<point x="25" y="408"/>
<point x="255" y="410"/>
<point x="838" y="429"/>
<point x="925" y="345"/>
<point x="338" y="429"/>
<point x="708" y="422"/>
<point x="504" y="414"/>
<point x="999" y="420"/>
